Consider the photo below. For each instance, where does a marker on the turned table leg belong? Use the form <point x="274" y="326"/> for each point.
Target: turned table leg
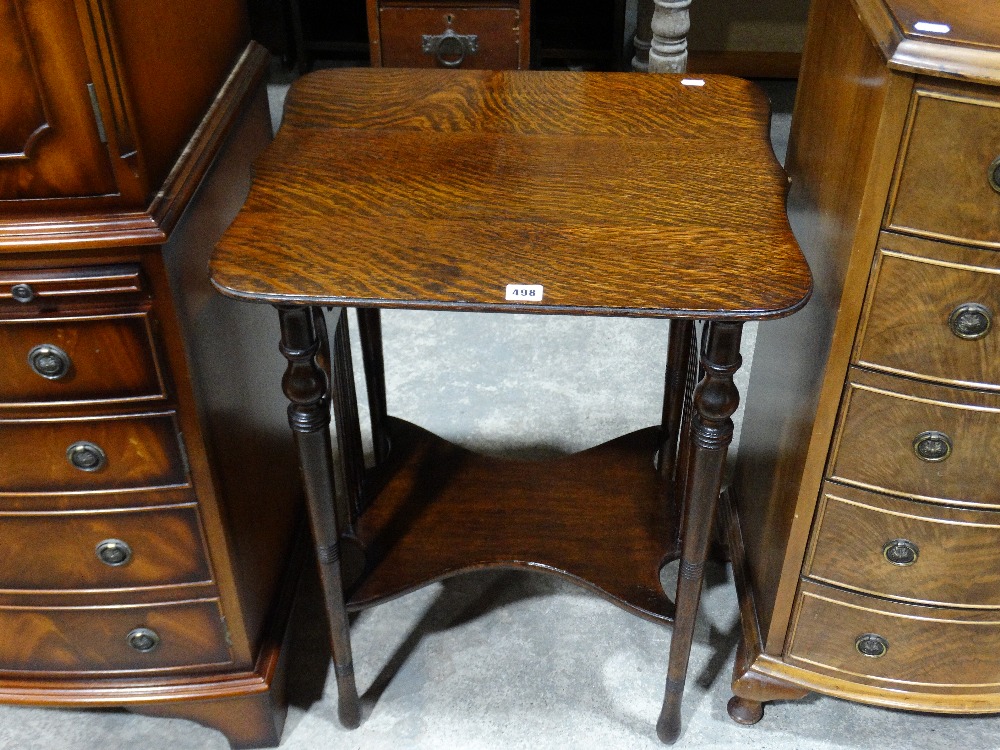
<point x="711" y="432"/>
<point x="306" y="386"/>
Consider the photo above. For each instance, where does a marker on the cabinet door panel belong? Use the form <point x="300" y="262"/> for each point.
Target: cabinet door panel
<point x="50" y="145"/>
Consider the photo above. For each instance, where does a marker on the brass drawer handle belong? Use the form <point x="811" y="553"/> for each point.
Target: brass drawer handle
<point x="143" y="640"/>
<point x="450" y="48"/>
<point x="970" y="321"/>
<point x="49" y="361"/>
<point x="113" y="552"/>
<point x="22" y="293"/>
<point x="994" y="174"/>
<point x="86" y="456"/>
<point x="932" y="445"/>
<point x="900" y="552"/>
<point x="871" y="645"/>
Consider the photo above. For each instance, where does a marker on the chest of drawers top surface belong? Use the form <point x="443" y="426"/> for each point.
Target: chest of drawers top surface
<point x="937" y="37"/>
<point x="968" y="22"/>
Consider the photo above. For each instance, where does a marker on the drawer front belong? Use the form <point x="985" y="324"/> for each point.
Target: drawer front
<point x="923" y="646"/>
<point x="102" y="550"/>
<point x="33" y="291"/>
<point x="899" y="548"/>
<point x="886" y="423"/>
<point x="83" y="359"/>
<point x="496" y="33"/>
<point x="89" y="639"/>
<point x="947" y="185"/>
<point x="117" y="453"/>
<point x="932" y="314"/>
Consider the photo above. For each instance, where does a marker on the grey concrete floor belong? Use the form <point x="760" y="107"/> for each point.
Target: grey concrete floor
<point x="511" y="660"/>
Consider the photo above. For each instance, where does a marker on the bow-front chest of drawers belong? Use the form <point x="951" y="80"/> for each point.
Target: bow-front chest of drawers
<point x="146" y="536"/>
<point x="866" y="553"/>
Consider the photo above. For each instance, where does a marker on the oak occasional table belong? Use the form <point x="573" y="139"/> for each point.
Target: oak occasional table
<point x="530" y="192"/>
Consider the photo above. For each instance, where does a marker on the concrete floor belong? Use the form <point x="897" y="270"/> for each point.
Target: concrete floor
<point x="509" y="660"/>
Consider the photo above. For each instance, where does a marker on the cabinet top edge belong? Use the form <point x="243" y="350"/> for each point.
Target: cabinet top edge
<point x="957" y="40"/>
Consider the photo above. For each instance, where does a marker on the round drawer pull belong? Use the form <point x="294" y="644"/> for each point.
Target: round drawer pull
<point x="900" y="552"/>
<point x="113" y="552"/>
<point x="994" y="174"/>
<point x="49" y="361"/>
<point x="970" y="321"/>
<point x="932" y="445"/>
<point x="449" y="48"/>
<point x="86" y="456"/>
<point x="143" y="640"/>
<point x="871" y="645"/>
<point x="22" y="293"/>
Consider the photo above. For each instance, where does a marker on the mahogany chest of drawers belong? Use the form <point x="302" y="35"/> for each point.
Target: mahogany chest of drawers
<point x="147" y="540"/>
<point x="865" y="550"/>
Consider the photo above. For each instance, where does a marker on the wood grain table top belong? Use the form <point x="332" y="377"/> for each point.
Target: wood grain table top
<point x="617" y="193"/>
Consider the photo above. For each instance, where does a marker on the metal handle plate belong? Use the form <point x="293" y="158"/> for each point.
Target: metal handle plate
<point x="86" y="456"/>
<point x="993" y="174"/>
<point x="49" y="361"/>
<point x="450" y="49"/>
<point x="932" y="445"/>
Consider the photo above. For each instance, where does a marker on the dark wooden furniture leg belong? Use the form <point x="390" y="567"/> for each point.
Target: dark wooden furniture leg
<point x="306" y="385"/>
<point x="643" y="38"/>
<point x="673" y="395"/>
<point x="344" y="397"/>
<point x="715" y="400"/>
<point x="370" y="327"/>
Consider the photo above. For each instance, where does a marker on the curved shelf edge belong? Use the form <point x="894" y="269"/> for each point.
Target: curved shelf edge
<point x="601" y="518"/>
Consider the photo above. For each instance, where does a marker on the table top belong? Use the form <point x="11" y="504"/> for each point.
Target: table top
<point x="609" y="193"/>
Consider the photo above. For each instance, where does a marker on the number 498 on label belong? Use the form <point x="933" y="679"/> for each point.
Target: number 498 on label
<point x="525" y="292"/>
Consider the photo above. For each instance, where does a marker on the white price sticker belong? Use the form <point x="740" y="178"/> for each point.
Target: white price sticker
<point x="524" y="292"/>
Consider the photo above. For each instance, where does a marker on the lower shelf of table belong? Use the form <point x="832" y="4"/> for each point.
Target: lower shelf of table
<point x="602" y="518"/>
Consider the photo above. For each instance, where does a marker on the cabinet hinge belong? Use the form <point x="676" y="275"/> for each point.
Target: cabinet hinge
<point x="101" y="132"/>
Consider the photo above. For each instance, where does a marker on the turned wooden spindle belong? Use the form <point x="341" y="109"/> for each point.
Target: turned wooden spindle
<point x="643" y="36"/>
<point x="678" y="361"/>
<point x="668" y="46"/>
<point x="370" y="327"/>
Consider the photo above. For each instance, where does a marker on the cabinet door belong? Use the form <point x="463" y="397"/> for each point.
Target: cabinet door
<point x="50" y="141"/>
